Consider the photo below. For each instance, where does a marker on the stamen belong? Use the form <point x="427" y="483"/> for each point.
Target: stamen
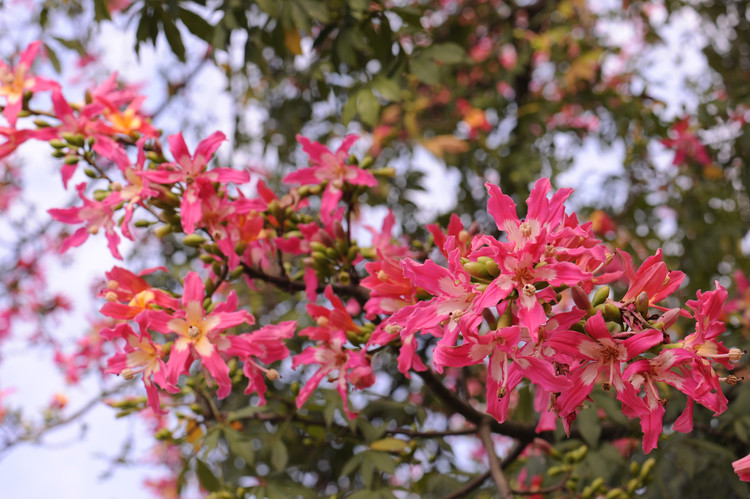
<point x="194" y="332"/>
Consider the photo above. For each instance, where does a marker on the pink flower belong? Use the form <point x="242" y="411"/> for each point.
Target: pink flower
<point x="14" y="82"/>
<point x="687" y="145"/>
<point x="330" y="167"/>
<point x="507" y="366"/>
<point x="141" y="355"/>
<point x="645" y="374"/>
<point x="198" y="333"/>
<point x="128" y="295"/>
<point x="17" y="137"/>
<point x="264" y="345"/>
<point x="600" y="351"/>
<point x="191" y="169"/>
<point x="544" y="215"/>
<point x="95" y="214"/>
<point x="742" y="468"/>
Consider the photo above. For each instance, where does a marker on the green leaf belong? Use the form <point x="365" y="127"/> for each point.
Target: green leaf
<point x="367" y="469"/>
<point x="53" y="58"/>
<point x="382" y="461"/>
<point x="389" y="444"/>
<point x="352" y="464"/>
<point x="247" y="411"/>
<point x="101" y="10"/>
<point x="389" y="89"/>
<point x="279" y="455"/>
<point x="196" y="24"/>
<point x="588" y="424"/>
<point x="173" y="36"/>
<point x="317" y="10"/>
<point x="447" y="53"/>
<point x="425" y="70"/>
<point x="206" y="477"/>
<point x="71" y="44"/>
<point x="239" y="446"/>
<point x="211" y="440"/>
<point x="347" y="113"/>
<point x="368" y="107"/>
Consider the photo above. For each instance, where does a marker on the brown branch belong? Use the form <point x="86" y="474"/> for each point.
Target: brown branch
<point x="34" y="435"/>
<point x="286" y="284"/>
<point x="520" y="431"/>
<point x="485" y="434"/>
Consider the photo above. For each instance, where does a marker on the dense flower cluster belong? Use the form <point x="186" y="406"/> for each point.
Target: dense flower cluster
<point x="531" y="301"/>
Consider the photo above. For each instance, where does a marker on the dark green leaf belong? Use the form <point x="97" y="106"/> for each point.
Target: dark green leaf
<point x="196" y="24"/>
<point x="173" y="36"/>
<point x="588" y="424"/>
<point x="317" y="10"/>
<point x="206" y="477"/>
<point x="368" y="107"/>
<point x="53" y="58"/>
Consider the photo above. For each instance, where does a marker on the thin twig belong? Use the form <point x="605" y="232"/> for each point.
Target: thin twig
<point x="485" y="434"/>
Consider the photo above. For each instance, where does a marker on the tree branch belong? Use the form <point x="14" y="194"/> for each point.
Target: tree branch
<point x="485" y="434"/>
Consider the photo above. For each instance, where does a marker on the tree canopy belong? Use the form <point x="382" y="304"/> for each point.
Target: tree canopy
<point x="375" y="280"/>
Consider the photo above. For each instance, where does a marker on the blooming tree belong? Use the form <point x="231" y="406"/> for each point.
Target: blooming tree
<point x="567" y="352"/>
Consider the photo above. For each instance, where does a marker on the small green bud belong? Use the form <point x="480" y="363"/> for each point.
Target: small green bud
<point x="319" y="258"/>
<point x="162" y="230"/>
<point x="101" y="195"/>
<point x="58" y="154"/>
<point x="647" y="467"/>
<point x="387" y="172"/>
<point x="142" y="224"/>
<point x="58" y="144"/>
<point x="193" y="240"/>
<point x="71" y="159"/>
<point x="600" y="296"/>
<point x="476" y="269"/>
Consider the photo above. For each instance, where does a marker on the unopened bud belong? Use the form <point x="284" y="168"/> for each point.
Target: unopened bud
<point x="580" y="298"/>
<point x="476" y="269"/>
<point x="193" y="240"/>
<point x="71" y="160"/>
<point x="600" y="296"/>
<point x="387" y="172"/>
<point x="641" y="303"/>
<point x="58" y="144"/>
<point x="647" y="467"/>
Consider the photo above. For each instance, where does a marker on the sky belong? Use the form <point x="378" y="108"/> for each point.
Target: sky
<point x="71" y="462"/>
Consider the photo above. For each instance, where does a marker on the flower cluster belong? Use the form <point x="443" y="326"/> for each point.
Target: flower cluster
<point x="534" y="305"/>
<point x="530" y="300"/>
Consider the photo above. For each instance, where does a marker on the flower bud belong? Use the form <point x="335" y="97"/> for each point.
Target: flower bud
<point x="163" y="230"/>
<point x="600" y="296"/>
<point x="71" y="159"/>
<point x="490" y="266"/>
<point x="387" y="172"/>
<point x="580" y="298"/>
<point x="193" y="240"/>
<point x="57" y="144"/>
<point x="641" y="303"/>
<point x="476" y="269"/>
